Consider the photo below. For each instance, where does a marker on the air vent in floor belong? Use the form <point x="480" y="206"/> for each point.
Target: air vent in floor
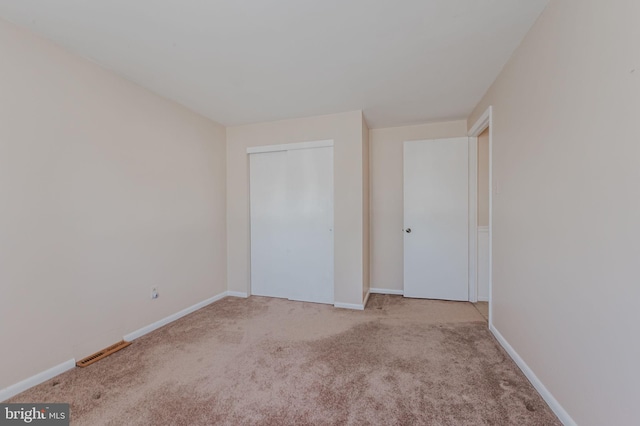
<point x="101" y="354"/>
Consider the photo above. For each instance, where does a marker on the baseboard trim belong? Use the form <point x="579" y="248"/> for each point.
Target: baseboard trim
<point x="237" y="294"/>
<point x="553" y="403"/>
<point x="355" y="306"/>
<point x="386" y="291"/>
<point x="36" y="379"/>
<point x="483" y="299"/>
<point x="164" y="321"/>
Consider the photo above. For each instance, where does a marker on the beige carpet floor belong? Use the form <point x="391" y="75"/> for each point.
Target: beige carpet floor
<point x="267" y="361"/>
<point x="483" y="308"/>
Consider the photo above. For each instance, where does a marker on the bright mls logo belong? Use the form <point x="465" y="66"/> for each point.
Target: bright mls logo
<point x="34" y="414"/>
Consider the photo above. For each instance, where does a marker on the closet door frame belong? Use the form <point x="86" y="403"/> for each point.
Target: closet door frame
<point x="289" y="146"/>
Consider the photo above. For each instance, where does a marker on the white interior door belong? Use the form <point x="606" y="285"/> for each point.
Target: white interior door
<point x="436" y="219"/>
<point x="292" y="224"/>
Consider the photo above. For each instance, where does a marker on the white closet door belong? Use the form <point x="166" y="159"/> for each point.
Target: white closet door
<point x="291" y="196"/>
<point x="310" y="206"/>
<point x="269" y="216"/>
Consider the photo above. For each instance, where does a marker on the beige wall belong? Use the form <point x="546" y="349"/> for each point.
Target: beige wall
<point x="107" y="191"/>
<point x="566" y="157"/>
<point x="483" y="178"/>
<point x="366" y="199"/>
<point x="346" y="131"/>
<point x="386" y="147"/>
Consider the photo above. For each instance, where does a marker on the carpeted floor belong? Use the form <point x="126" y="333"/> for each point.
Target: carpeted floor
<point x="483" y="308"/>
<point x="275" y="362"/>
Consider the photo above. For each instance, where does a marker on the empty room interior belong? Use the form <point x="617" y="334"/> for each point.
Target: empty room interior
<point x="320" y="212"/>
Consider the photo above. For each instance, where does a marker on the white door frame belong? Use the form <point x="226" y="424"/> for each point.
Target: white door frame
<point x="289" y="146"/>
<point x="485" y="121"/>
<point x="473" y="219"/>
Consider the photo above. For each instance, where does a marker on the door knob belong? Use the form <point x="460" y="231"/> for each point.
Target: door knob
<point x="408" y="230"/>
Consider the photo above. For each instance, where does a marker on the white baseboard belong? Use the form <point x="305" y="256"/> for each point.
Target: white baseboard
<point x="237" y="294"/>
<point x="43" y="376"/>
<point x="483" y="299"/>
<point x="164" y="321"/>
<point x="356" y="306"/>
<point x="553" y="403"/>
<point x="386" y="291"/>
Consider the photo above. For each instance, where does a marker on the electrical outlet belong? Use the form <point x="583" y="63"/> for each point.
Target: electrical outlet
<point x="154" y="293"/>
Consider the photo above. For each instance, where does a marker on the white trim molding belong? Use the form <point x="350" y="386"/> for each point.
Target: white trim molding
<point x="289" y="146"/>
<point x="36" y="379"/>
<point x="473" y="220"/>
<point x="386" y="291"/>
<point x="553" y="403"/>
<point x="483" y="122"/>
<point x="354" y="306"/>
<point x="164" y="321"/>
<point x="237" y="294"/>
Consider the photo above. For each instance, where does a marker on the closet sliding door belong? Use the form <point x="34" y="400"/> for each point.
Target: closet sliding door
<point x="291" y="197"/>
<point x="268" y="198"/>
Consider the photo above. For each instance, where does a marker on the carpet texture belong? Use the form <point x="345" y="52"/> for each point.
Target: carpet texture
<point x="275" y="362"/>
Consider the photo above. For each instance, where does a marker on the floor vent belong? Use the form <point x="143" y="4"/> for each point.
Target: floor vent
<point x="101" y="354"/>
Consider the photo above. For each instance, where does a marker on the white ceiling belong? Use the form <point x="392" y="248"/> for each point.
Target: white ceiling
<point x="245" y="61"/>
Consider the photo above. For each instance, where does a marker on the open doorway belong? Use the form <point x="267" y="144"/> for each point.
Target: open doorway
<point x="482" y="229"/>
<point x="481" y="130"/>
